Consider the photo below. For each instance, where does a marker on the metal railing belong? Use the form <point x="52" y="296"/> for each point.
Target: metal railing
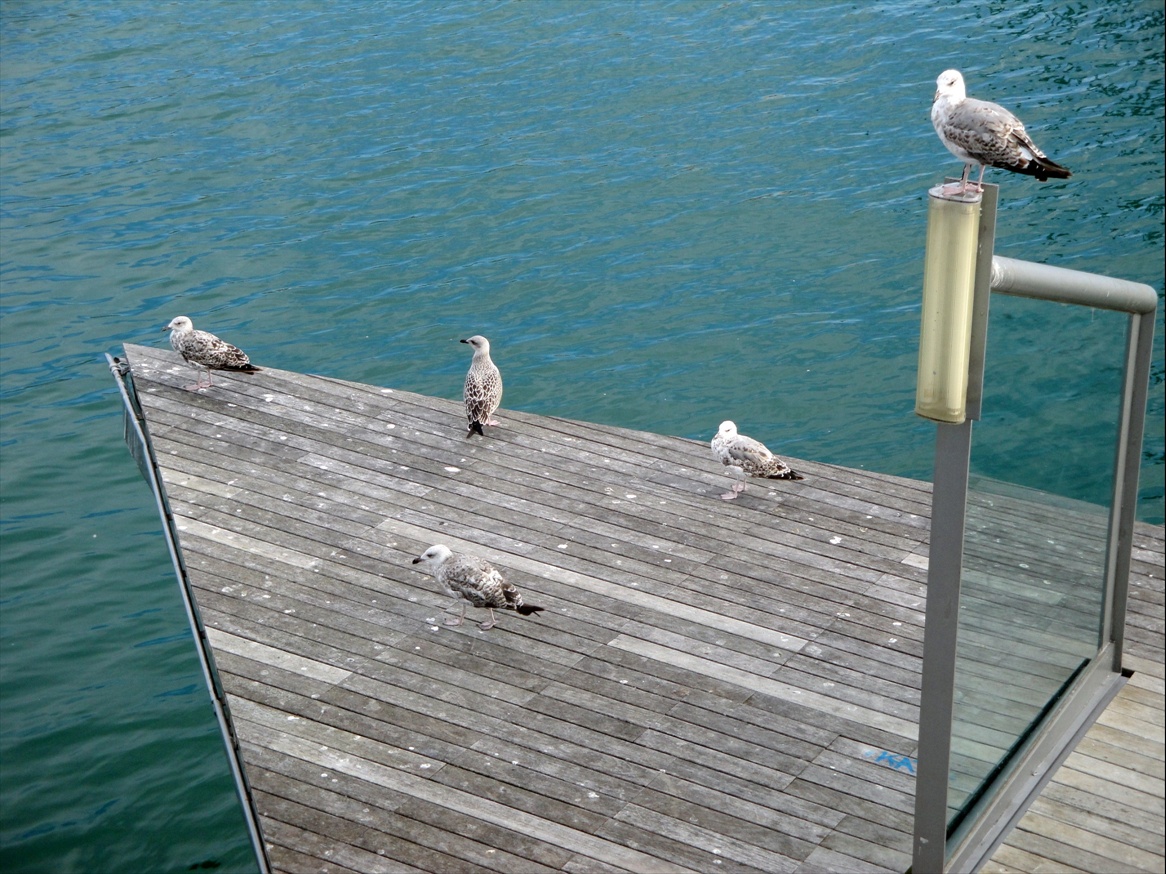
<point x="143" y="452"/>
<point x="969" y="846"/>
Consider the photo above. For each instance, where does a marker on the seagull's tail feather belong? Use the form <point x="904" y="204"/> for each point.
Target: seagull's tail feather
<point x="528" y="609"/>
<point x="785" y="474"/>
<point x="243" y="368"/>
<point x="1044" y="169"/>
<point x="476" y="428"/>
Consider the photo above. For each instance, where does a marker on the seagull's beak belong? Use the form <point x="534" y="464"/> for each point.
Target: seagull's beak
<point x="463" y="341"/>
<point x="416" y="560"/>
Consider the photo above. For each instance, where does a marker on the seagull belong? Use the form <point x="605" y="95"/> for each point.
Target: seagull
<point x="205" y="350"/>
<point x="979" y="132"/>
<point x="472" y="579"/>
<point x="747" y="456"/>
<point x="483" y="391"/>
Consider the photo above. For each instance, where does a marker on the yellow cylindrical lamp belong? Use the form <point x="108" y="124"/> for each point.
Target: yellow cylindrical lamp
<point x="945" y="335"/>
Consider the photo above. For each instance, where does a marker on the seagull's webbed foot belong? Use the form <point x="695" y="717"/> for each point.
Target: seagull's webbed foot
<point x="980" y="180"/>
<point x="738" y="487"/>
<point x="489" y="623"/>
<point x="961" y="187"/>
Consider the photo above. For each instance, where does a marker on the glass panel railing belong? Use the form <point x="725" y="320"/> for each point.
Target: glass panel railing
<point x="1033" y="591"/>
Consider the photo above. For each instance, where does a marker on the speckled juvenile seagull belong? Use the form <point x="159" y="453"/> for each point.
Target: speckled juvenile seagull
<point x="979" y="132"/>
<point x="747" y="456"/>
<point x="483" y="390"/>
<point x="205" y="350"/>
<point x="467" y="578"/>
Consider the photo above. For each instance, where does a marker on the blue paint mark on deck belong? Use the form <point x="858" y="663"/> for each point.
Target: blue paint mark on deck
<point x="906" y="764"/>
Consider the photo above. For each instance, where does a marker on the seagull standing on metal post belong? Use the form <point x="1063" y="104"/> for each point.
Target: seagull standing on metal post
<point x="979" y="132"/>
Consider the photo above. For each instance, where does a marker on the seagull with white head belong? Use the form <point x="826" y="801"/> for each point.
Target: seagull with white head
<point x="747" y="457"/>
<point x="203" y="349"/>
<point x="985" y="134"/>
<point x="483" y="387"/>
<point x="472" y="580"/>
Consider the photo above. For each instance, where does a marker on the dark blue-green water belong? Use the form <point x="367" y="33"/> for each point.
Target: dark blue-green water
<point x="661" y="214"/>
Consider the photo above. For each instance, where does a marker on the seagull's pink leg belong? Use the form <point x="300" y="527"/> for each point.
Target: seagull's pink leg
<point x="198" y="386"/>
<point x="487" y="625"/>
<point x="456" y="620"/>
<point x="980" y="181"/>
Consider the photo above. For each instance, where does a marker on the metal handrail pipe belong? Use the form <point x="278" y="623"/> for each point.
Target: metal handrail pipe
<point x="1045" y="282"/>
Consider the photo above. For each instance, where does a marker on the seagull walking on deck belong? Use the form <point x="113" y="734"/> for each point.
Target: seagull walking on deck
<point x="205" y="350"/>
<point x="983" y="133"/>
<point x="747" y="457"/>
<point x="483" y="389"/>
<point x="473" y="580"/>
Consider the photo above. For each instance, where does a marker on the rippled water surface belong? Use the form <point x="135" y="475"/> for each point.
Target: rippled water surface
<point x="661" y="214"/>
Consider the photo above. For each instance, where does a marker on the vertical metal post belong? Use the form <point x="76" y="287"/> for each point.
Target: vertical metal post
<point x="953" y="445"/>
<point x="953" y="449"/>
<point x="981" y="298"/>
<point x="1126" y="469"/>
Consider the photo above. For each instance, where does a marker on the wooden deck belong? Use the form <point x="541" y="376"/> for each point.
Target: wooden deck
<point x="712" y="686"/>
